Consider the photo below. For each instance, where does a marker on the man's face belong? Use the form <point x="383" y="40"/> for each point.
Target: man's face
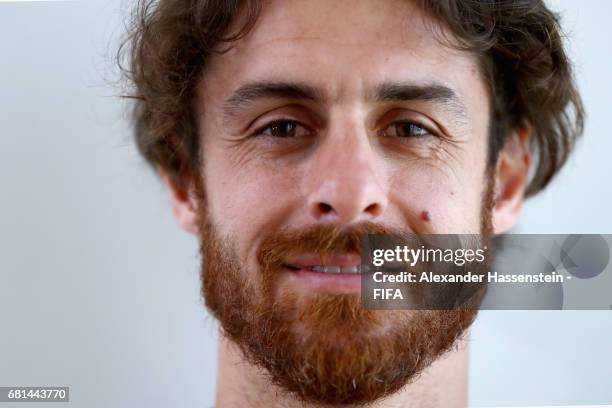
<point x="331" y="118"/>
<point x="398" y="125"/>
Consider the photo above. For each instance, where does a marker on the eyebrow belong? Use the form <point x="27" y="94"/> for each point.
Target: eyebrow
<point x="433" y="92"/>
<point x="252" y="91"/>
<point x="385" y="92"/>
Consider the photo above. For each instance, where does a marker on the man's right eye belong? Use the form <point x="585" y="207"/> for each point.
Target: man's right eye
<point x="283" y="129"/>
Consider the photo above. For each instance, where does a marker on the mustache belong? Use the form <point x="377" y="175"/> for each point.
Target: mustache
<point x="318" y="240"/>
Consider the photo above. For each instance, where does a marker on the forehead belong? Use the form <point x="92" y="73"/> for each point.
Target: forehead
<point x="343" y="47"/>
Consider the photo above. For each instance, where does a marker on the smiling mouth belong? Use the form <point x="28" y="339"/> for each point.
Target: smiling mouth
<point x="331" y="269"/>
<point x="336" y="273"/>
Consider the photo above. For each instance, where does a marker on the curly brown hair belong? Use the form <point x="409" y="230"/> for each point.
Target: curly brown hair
<point x="518" y="42"/>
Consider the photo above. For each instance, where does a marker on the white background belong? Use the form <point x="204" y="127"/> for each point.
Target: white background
<point x="99" y="288"/>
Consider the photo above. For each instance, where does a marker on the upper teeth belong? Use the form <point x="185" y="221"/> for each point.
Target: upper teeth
<point x="337" y="269"/>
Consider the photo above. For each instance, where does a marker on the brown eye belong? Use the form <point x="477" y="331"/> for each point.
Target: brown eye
<point x="405" y="129"/>
<point x="283" y="129"/>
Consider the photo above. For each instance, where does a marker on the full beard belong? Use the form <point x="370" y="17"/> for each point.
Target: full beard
<point x="324" y="348"/>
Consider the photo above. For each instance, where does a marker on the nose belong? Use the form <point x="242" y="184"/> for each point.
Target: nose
<point x="345" y="188"/>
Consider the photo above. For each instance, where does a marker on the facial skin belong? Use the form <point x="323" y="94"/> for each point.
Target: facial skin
<point x="338" y="115"/>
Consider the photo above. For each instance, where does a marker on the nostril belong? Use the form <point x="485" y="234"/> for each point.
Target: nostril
<point x="325" y="208"/>
<point x="373" y="209"/>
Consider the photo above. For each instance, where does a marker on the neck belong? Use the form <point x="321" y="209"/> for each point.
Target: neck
<point x="240" y="384"/>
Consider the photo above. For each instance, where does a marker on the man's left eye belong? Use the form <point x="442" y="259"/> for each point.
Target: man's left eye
<point x="405" y="129"/>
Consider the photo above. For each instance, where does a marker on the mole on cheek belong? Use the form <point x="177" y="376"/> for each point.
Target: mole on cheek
<point x="425" y="215"/>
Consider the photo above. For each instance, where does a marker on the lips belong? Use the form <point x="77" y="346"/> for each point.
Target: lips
<point x="348" y="263"/>
<point x="337" y="273"/>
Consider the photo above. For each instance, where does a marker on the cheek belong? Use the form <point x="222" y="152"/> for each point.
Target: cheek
<point x="436" y="201"/>
<point x="246" y="201"/>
